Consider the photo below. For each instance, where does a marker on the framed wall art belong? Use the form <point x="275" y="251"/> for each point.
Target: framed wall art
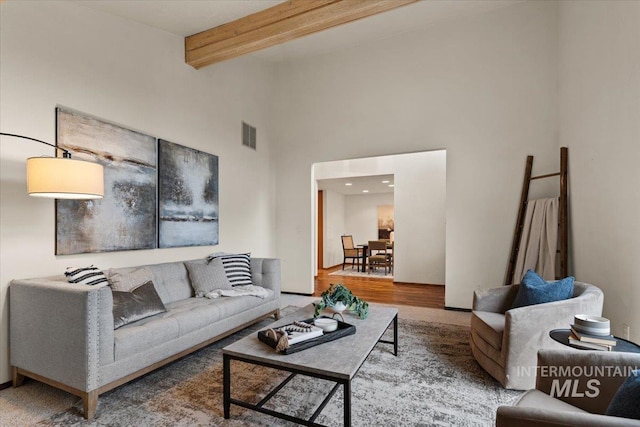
<point x="125" y="219"/>
<point x="187" y="196"/>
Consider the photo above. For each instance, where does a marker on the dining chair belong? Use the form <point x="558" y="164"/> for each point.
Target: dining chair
<point x="349" y="251"/>
<point x="380" y="256"/>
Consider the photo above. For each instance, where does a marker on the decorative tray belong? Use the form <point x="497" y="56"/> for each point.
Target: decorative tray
<point x="344" y="329"/>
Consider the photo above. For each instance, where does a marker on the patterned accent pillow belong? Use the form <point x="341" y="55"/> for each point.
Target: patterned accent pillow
<point x="237" y="267"/>
<point x="85" y="275"/>
<point x="207" y="277"/>
<point x="126" y="281"/>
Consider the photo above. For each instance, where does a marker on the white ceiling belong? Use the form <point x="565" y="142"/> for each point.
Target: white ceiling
<point x="187" y="17"/>
<point x="372" y="183"/>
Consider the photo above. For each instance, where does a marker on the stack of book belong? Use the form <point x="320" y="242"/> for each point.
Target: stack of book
<point x="591" y="342"/>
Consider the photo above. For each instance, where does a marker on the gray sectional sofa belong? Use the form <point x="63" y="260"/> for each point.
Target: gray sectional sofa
<point x="63" y="333"/>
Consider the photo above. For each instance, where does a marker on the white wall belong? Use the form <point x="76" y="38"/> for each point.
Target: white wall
<point x="600" y="123"/>
<point x="59" y="53"/>
<point x="483" y="87"/>
<point x="420" y="224"/>
<point x="334" y="227"/>
<point x="361" y="215"/>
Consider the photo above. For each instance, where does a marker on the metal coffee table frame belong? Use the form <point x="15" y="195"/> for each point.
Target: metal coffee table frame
<point x="339" y="380"/>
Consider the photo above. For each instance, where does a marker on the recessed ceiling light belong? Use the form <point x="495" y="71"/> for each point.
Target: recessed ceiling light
<point x="365" y="191"/>
<point x="348" y="184"/>
<point x="391" y="185"/>
<point x="386" y="181"/>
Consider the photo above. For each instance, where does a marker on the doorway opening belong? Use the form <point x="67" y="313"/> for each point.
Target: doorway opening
<point x="398" y="197"/>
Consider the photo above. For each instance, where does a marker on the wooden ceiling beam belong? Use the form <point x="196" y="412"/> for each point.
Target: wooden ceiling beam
<point x="281" y="23"/>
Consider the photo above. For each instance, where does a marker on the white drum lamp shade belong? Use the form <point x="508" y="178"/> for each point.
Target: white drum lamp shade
<point x="64" y="178"/>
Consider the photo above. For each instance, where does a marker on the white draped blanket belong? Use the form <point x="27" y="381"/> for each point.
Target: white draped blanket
<point x="537" y="250"/>
<point x="239" y="291"/>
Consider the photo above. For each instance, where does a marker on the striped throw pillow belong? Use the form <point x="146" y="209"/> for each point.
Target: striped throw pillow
<point x="237" y="267"/>
<point x="86" y="276"/>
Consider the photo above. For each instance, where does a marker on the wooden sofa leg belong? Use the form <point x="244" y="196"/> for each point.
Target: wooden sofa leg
<point x="18" y="379"/>
<point x="276" y="314"/>
<point x="90" y="404"/>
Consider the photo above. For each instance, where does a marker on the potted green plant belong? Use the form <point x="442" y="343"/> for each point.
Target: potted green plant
<point x="338" y="298"/>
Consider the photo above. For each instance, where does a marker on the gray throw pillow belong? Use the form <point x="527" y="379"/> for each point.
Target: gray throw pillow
<point x="138" y="304"/>
<point x="208" y="277"/>
<point x="126" y="281"/>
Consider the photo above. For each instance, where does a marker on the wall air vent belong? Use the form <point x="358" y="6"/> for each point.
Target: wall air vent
<point x="248" y="135"/>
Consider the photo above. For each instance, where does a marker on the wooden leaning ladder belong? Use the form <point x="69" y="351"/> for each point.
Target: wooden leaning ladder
<point x="563" y="229"/>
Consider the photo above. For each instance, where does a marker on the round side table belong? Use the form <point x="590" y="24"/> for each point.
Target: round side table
<point x="562" y="336"/>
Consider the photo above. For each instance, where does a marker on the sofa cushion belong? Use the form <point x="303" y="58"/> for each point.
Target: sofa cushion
<point x="126" y="281"/>
<point x="535" y="290"/>
<point x="625" y="402"/>
<point x="207" y="277"/>
<point x="489" y="326"/>
<point x="138" y="304"/>
<point x="172" y="281"/>
<point x="193" y="314"/>
<point x="140" y="336"/>
<point x="536" y="399"/>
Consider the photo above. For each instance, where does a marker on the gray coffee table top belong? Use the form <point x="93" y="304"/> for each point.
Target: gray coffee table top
<point x="340" y="358"/>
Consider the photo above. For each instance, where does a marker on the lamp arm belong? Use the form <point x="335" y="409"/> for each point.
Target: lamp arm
<point x="65" y="153"/>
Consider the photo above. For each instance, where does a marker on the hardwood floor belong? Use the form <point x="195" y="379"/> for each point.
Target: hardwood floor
<point x="384" y="290"/>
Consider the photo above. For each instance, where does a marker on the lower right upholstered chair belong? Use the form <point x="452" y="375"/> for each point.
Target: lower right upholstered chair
<point x="505" y="340"/>
<point x="576" y="388"/>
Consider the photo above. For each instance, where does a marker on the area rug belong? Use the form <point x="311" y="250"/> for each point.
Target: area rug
<point x="353" y="272"/>
<point x="434" y="380"/>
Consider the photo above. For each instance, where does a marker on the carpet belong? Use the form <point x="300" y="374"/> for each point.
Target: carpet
<point x="377" y="273"/>
<point x="433" y="381"/>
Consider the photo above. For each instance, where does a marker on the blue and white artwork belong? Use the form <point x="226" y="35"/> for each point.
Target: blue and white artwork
<point x="187" y="196"/>
<point x="125" y="218"/>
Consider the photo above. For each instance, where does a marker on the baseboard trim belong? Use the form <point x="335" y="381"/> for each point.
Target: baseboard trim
<point x="466" y="310"/>
<point x="297" y="293"/>
<point x="5" y="385"/>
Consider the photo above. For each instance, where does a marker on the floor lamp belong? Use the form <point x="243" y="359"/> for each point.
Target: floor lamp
<point x="62" y="177"/>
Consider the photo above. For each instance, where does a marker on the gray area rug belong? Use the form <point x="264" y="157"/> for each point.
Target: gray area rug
<point x="434" y="381"/>
<point x="377" y="273"/>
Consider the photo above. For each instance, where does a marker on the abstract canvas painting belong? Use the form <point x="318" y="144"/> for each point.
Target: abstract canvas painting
<point x="187" y="196"/>
<point x="125" y="218"/>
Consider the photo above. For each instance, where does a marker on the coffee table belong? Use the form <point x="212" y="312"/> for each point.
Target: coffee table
<point x="337" y="361"/>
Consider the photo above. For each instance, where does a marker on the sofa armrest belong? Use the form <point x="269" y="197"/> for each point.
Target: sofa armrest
<point x="265" y="272"/>
<point x="597" y="375"/>
<point x="494" y="300"/>
<point x="61" y="331"/>
<point x="520" y="416"/>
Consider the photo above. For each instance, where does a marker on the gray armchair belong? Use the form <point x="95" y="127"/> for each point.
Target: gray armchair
<point x="584" y="407"/>
<point x="505" y="341"/>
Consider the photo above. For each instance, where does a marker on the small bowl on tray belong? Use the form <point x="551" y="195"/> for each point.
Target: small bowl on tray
<point x="326" y="324"/>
